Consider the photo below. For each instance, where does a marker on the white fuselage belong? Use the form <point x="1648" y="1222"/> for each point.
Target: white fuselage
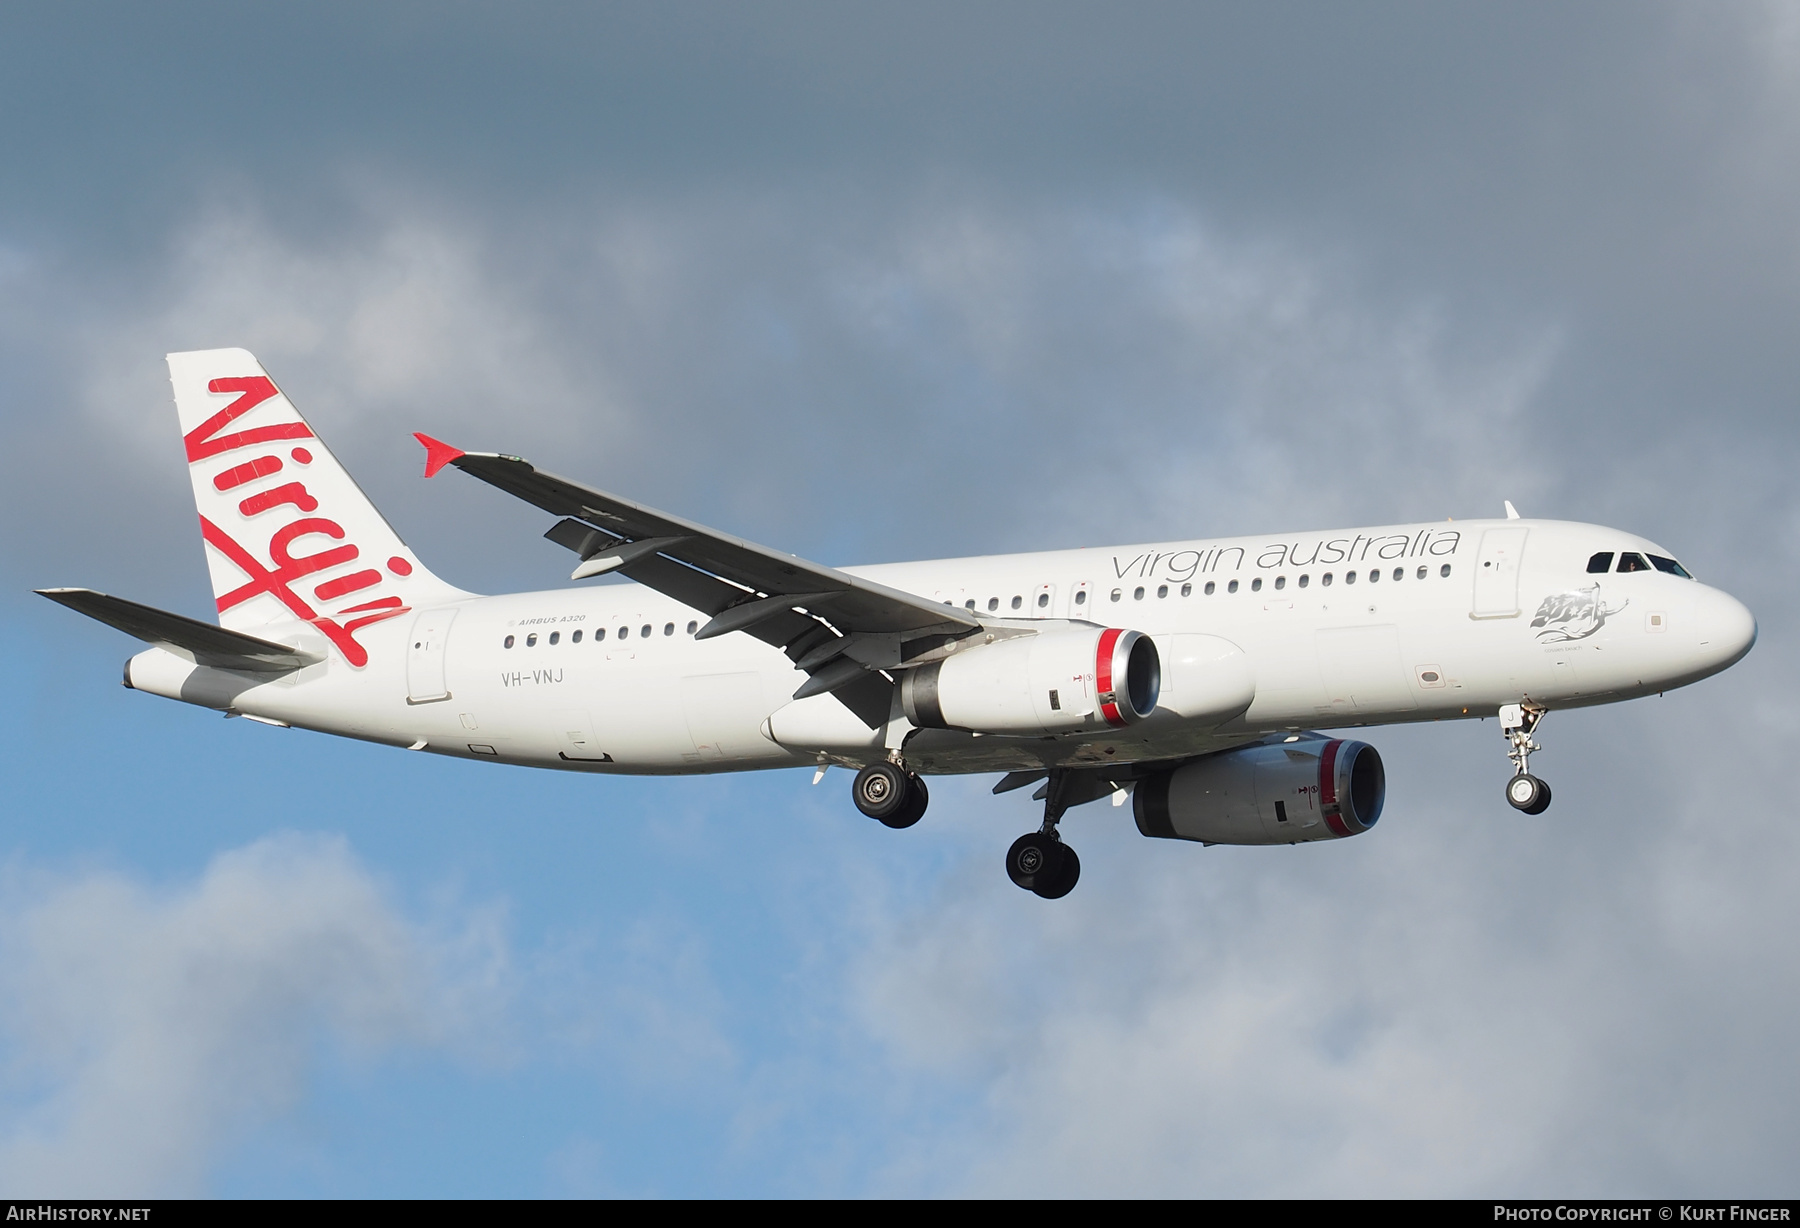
<point x="1440" y="621"/>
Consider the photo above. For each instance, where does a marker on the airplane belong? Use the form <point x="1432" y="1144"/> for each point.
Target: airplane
<point x="1189" y="678"/>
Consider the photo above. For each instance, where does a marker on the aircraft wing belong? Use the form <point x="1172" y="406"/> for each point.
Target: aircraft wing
<point x="201" y="643"/>
<point x="743" y="586"/>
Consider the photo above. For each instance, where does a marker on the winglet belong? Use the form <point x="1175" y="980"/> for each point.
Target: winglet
<point x="437" y="453"/>
<point x="1512" y="513"/>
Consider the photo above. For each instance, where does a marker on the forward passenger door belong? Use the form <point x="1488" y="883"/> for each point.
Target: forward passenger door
<point x="1497" y="573"/>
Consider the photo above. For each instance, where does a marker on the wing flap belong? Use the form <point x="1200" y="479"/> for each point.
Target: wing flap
<point x="202" y="643"/>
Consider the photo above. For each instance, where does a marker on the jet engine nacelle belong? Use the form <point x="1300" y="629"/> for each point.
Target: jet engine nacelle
<point x="1060" y="680"/>
<point x="1271" y="793"/>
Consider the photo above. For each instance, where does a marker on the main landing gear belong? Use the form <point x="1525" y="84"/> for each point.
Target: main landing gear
<point x="1039" y="861"/>
<point x="1524" y="791"/>
<point x="890" y="794"/>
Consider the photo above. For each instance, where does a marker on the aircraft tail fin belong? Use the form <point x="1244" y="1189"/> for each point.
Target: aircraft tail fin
<point x="289" y="534"/>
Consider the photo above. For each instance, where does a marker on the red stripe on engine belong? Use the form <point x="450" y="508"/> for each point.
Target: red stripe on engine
<point x="1328" y="798"/>
<point x="1103" y="676"/>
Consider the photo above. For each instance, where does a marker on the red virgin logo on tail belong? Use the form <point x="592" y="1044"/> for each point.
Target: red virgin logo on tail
<point x="285" y="569"/>
<point x="255" y="389"/>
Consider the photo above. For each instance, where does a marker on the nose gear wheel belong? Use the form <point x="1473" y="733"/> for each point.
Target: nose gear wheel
<point x="1528" y="793"/>
<point x="1524" y="792"/>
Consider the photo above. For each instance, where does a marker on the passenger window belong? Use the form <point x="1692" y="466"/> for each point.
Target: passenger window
<point x="1162" y="590"/>
<point x="555" y="636"/>
<point x="531" y="640"/>
<point x="693" y="627"/>
<point x="1374" y="574"/>
<point x="1444" y="571"/>
<point x="1081" y="596"/>
<point x="1280" y="583"/>
<point x="1670" y="566"/>
<point x="1187" y="590"/>
<point x="1399" y="573"/>
<point x="1349" y="577"/>
<point x="993" y="604"/>
<point x="575" y="638"/>
<point x="1210" y="588"/>
<point x="644" y="631"/>
<point x="1325" y="579"/>
<point x="1116" y="594"/>
<point x="668" y="628"/>
<point x="1017" y="602"/>
<point x="1232" y="587"/>
<point x="1632" y="561"/>
<point x="1137" y="594"/>
<point x="508" y="643"/>
<point x="1256" y="585"/>
<point x="1303" y="581"/>
<point x="1601" y="563"/>
<point x="1043" y="600"/>
<point x="1421" y="574"/>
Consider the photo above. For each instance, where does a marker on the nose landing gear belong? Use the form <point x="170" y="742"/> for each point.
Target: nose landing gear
<point x="1524" y="791"/>
<point x="890" y="794"/>
<point x="1039" y="861"/>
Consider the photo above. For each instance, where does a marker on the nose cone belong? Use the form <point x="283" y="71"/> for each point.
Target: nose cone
<point x="1727" y="629"/>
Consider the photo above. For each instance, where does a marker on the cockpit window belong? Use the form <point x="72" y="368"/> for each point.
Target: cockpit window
<point x="1632" y="561"/>
<point x="1601" y="563"/>
<point x="1670" y="566"/>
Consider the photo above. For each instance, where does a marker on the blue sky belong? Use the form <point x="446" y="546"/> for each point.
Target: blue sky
<point x="881" y="283"/>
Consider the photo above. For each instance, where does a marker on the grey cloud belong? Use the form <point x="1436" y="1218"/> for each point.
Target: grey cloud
<point x="1461" y="1005"/>
<point x="144" y="1029"/>
<point x="963" y="376"/>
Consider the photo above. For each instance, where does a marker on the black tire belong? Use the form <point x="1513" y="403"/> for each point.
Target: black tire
<point x="880" y="791"/>
<point x="1543" y="803"/>
<point x="917" y="798"/>
<point x="1065" y="880"/>
<point x="1527" y="794"/>
<point x="1034" y="857"/>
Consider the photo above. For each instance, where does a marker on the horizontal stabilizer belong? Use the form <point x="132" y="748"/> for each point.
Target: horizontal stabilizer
<point x="202" y="643"/>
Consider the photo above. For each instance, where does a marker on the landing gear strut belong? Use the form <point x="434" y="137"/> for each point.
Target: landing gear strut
<point x="1039" y="861"/>
<point x="1524" y="791"/>
<point x="890" y="794"/>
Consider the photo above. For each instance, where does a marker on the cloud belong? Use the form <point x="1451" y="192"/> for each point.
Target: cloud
<point x="950" y="365"/>
<point x="145" y="1029"/>
<point x="1455" y="1004"/>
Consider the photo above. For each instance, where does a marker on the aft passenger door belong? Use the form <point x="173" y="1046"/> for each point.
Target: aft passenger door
<point x="1497" y="573"/>
<point x="425" y="682"/>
